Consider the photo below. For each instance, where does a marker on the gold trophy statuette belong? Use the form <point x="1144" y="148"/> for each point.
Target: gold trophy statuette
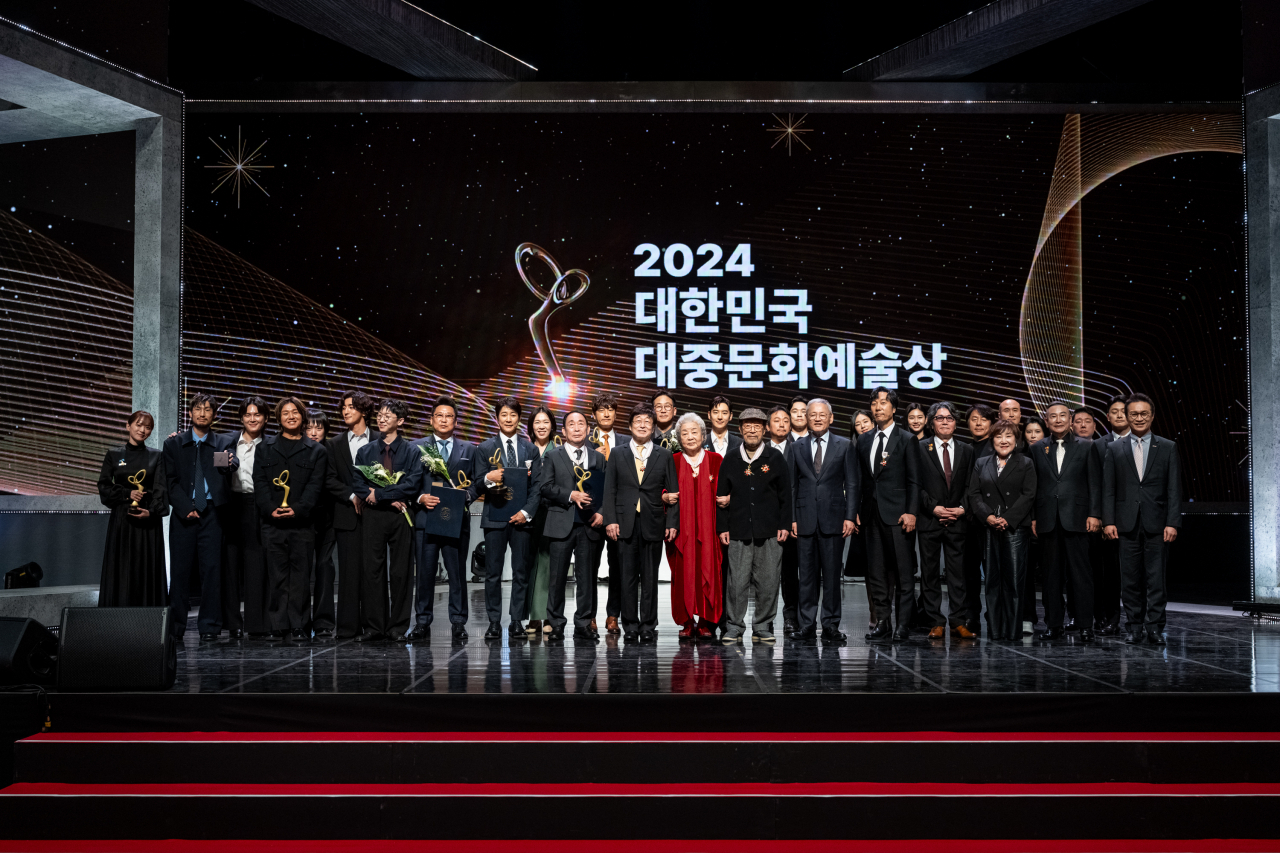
<point x="583" y="475"/>
<point x="282" y="481"/>
<point x="136" y="481"/>
<point x="501" y="490"/>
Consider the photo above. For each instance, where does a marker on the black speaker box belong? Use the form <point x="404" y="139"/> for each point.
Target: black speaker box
<point x="28" y="652"/>
<point x="116" y="648"/>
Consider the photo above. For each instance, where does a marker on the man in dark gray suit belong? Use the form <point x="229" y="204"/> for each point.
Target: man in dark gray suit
<point x="1142" y="507"/>
<point x="636" y="517"/>
<point x="890" y="461"/>
<point x="780" y="439"/>
<point x="572" y="525"/>
<point x="826" y="485"/>
<point x="1068" y="509"/>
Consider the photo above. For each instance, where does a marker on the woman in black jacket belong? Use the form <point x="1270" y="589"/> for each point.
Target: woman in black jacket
<point x="1002" y="495"/>
<point x="132" y="485"/>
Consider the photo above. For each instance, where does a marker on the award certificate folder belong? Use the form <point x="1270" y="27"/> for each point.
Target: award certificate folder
<point x="594" y="486"/>
<point x="517" y="480"/>
<point x="448" y="516"/>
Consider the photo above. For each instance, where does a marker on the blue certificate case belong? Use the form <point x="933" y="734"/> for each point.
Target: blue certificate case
<point x="516" y="479"/>
<point x="448" y="516"/>
<point x="594" y="487"/>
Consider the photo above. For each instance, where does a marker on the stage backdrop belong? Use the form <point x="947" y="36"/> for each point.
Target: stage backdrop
<point x="959" y="257"/>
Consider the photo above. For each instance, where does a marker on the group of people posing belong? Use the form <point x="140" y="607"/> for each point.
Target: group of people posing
<point x="758" y="514"/>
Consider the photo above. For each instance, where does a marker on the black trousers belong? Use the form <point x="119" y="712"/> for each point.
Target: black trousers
<point x="1064" y="557"/>
<point x="1029" y="588"/>
<point x="890" y="568"/>
<point x="290" y="551"/>
<point x="388" y="553"/>
<point x="322" y="575"/>
<point x="613" y="603"/>
<point x="496" y="540"/>
<point x="1106" y="580"/>
<point x="244" y="567"/>
<point x="454" y="552"/>
<point x="1006" y="563"/>
<point x="350" y="578"/>
<point x="195" y="544"/>
<point x="640" y="561"/>
<point x="1142" y="570"/>
<point x="579" y="546"/>
<point x="790" y="579"/>
<point x="935" y="544"/>
<point x="975" y="545"/>
<point x="819" y="575"/>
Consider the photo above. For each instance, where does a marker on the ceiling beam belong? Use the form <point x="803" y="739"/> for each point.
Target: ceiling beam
<point x="996" y="32"/>
<point x="403" y="36"/>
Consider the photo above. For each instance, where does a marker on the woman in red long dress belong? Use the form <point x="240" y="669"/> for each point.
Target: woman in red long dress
<point x="697" y="582"/>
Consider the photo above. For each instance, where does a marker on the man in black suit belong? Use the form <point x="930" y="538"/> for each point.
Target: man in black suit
<point x="357" y="411"/>
<point x="388" y="533"/>
<point x="505" y="524"/>
<point x="198" y="465"/>
<point x="290" y="460"/>
<point x="826" y="488"/>
<point x="798" y="409"/>
<point x="1142" y="507"/>
<point x="1068" y="509"/>
<point x="719" y="439"/>
<point x="1107" y="610"/>
<point x="890" y="461"/>
<point x="461" y="459"/>
<point x="942" y="525"/>
<point x="572" y="524"/>
<point x="636" y="518"/>
<point x="780" y="439"/>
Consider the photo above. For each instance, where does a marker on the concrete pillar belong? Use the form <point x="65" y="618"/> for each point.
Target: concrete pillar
<point x="157" y="265"/>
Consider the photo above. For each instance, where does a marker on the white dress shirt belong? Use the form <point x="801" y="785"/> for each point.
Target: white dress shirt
<point x="796" y="436"/>
<point x="354" y="443"/>
<point x="780" y="446"/>
<point x="720" y="445"/>
<point x="242" y="482"/>
<point x="875" y="439"/>
<point x="826" y="445"/>
<point x="641" y="451"/>
<point x="937" y="448"/>
<point x="577" y="453"/>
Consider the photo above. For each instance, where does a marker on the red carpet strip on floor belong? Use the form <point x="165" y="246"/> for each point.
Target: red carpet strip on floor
<point x="1210" y="845"/>
<point x="744" y="789"/>
<point x="654" y="737"/>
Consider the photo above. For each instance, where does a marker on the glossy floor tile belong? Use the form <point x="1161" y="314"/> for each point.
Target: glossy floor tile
<point x="1212" y="650"/>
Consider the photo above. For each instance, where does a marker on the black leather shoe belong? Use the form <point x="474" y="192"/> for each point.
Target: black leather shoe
<point x="1135" y="638"/>
<point x="831" y="635"/>
<point x="1155" y="638"/>
<point x="371" y="637"/>
<point x="324" y="634"/>
<point x="584" y="634"/>
<point x="1086" y="635"/>
<point x="556" y="635"/>
<point x="1111" y="629"/>
<point x="299" y="634"/>
<point x="901" y="633"/>
<point x="1053" y="634"/>
<point x="417" y="635"/>
<point x="208" y="638"/>
<point x="649" y="636"/>
<point x="788" y="627"/>
<point x="804" y="635"/>
<point x="235" y="633"/>
<point x="494" y="632"/>
<point x="459" y="631"/>
<point x="631" y="636"/>
<point x="516" y="630"/>
<point x="882" y="633"/>
<point x="1070" y="626"/>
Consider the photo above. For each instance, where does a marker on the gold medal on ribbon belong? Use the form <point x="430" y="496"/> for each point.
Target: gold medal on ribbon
<point x="136" y="481"/>
<point x="282" y="481"/>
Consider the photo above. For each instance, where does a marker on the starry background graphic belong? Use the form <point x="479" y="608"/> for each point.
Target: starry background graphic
<point x="906" y="227"/>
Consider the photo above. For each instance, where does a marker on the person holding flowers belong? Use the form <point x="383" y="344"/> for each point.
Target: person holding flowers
<point x="387" y="474"/>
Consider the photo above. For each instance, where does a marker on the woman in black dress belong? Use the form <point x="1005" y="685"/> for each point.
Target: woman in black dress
<point x="133" y="567"/>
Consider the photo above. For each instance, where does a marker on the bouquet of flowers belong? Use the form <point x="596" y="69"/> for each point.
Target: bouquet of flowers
<point x="380" y="476"/>
<point x="434" y="462"/>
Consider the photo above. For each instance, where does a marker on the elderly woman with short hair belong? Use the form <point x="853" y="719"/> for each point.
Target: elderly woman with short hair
<point x="697" y="583"/>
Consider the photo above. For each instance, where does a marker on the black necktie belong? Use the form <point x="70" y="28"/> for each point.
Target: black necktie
<point x="201" y="501"/>
<point x="579" y="452"/>
<point x="879" y="454"/>
<point x="817" y="457"/>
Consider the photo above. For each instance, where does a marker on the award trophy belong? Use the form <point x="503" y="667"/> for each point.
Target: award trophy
<point x="136" y="481"/>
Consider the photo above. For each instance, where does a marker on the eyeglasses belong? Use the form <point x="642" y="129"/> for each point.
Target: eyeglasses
<point x="943" y="418"/>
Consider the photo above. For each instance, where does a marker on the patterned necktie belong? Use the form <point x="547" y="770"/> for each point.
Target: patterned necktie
<point x="509" y="458"/>
<point x="605" y="446"/>
<point x="946" y="463"/>
<point x="1061" y="454"/>
<point x="579" y="456"/>
<point x="388" y="461"/>
<point x="817" y="457"/>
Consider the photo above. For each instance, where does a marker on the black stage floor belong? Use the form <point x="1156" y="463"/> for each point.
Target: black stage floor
<point x="1209" y="650"/>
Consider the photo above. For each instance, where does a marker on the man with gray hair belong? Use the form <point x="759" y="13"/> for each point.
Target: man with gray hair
<point x="754" y="520"/>
<point x="826" y="486"/>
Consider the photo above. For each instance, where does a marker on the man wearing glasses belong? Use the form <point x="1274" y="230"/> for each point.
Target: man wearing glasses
<point x="944" y="480"/>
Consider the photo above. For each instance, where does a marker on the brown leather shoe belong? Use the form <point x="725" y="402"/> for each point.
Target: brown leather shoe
<point x="937" y="632"/>
<point x="611" y="625"/>
<point x="962" y="632"/>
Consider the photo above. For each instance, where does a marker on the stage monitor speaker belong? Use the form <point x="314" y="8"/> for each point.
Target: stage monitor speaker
<point x="28" y="652"/>
<point x="26" y="576"/>
<point x="116" y="648"/>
